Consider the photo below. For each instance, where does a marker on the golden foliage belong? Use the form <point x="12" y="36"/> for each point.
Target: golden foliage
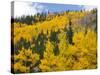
<point x="24" y="57"/>
<point x="82" y="54"/>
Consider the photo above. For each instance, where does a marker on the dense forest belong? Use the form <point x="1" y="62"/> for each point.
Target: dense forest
<point x="56" y="41"/>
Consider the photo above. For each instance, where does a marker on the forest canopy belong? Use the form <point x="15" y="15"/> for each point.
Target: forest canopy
<point x="59" y="41"/>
